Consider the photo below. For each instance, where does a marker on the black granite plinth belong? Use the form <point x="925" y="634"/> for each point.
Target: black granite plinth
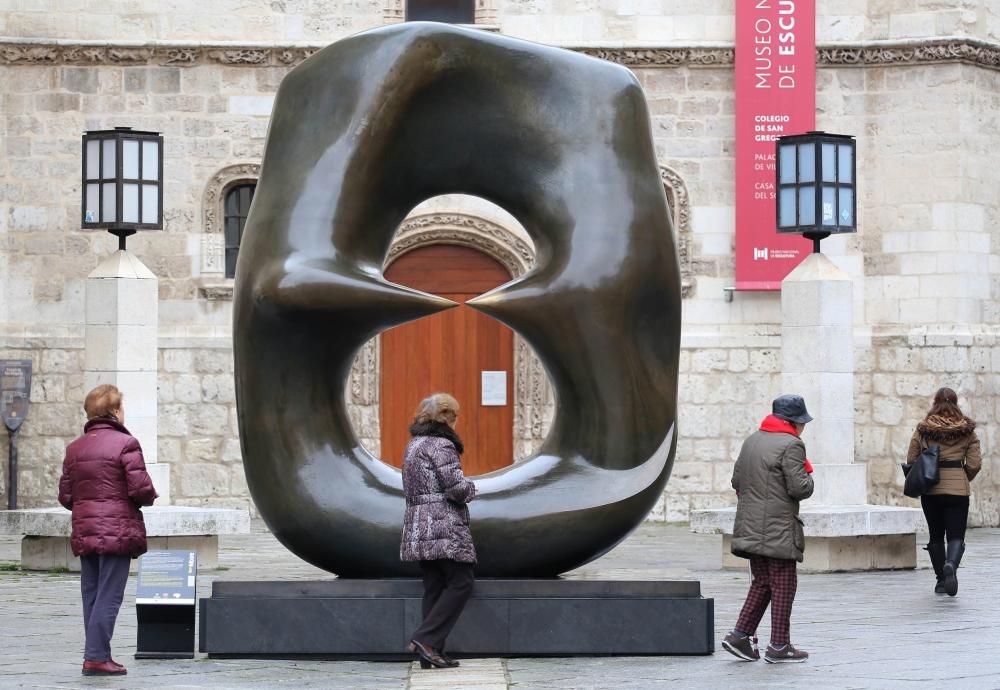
<point x="372" y="619"/>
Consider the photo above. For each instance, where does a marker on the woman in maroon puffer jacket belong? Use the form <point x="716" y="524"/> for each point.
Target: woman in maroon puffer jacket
<point x="104" y="481"/>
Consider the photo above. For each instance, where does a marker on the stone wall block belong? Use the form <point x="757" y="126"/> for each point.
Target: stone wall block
<point x="888" y="411"/>
<point x="48" y="388"/>
<point x="168" y="450"/>
<point x="207" y="419"/>
<point x="197" y="480"/>
<point x="219" y="388"/>
<point x="202" y="450"/>
<point x="173" y="420"/>
<point x="60" y="361"/>
<point x="700" y="421"/>
<point x="946" y="359"/>
<point x="178" y="361"/>
<point x="188" y="388"/>
<point x="677" y="506"/>
<point x="231" y="452"/>
<point x="765" y="361"/>
<point x="213" y="361"/>
<point x="709" y="360"/>
<point x="79" y="79"/>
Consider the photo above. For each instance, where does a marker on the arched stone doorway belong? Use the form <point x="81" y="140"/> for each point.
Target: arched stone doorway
<point x="456" y="351"/>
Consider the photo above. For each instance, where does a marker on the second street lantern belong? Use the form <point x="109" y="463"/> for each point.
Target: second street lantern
<point x="816" y="185"/>
<point x="122" y="181"/>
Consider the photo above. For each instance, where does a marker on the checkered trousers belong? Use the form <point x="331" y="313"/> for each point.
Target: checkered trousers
<point x="774" y="583"/>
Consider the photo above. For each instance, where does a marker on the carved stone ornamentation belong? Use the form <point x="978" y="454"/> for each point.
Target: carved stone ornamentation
<point x="178" y="56"/>
<point x="495" y="240"/>
<point x="874" y="53"/>
<point x="663" y="57"/>
<point x="912" y="52"/>
<point x="30" y="54"/>
<point x="122" y="55"/>
<point x="85" y="54"/>
<point x="680" y="208"/>
<point x="242" y="56"/>
<point x="216" y="188"/>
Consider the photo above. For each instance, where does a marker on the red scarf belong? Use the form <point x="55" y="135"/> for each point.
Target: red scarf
<point x="774" y="425"/>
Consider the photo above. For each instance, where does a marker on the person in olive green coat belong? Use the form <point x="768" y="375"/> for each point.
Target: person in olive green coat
<point x="771" y="476"/>
<point x="946" y="505"/>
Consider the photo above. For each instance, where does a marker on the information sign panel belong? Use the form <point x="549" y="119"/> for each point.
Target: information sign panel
<point x="15" y="389"/>
<point x="167" y="577"/>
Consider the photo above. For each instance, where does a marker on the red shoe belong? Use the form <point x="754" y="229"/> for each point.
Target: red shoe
<point x="103" y="668"/>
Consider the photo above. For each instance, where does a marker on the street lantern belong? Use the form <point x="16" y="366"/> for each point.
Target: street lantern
<point x="122" y="181"/>
<point x="816" y="174"/>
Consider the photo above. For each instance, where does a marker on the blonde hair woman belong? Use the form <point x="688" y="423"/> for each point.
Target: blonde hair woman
<point x="436" y="524"/>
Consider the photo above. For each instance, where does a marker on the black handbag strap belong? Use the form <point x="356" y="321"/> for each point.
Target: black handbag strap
<point x="943" y="464"/>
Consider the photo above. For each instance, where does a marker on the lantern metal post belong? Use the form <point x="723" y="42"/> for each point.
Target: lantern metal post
<point x="816" y="181"/>
<point x="122" y="181"/>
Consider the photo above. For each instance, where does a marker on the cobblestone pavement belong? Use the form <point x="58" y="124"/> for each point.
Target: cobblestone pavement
<point x="864" y="630"/>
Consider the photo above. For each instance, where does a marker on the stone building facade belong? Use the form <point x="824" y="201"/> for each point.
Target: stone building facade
<point x="917" y="81"/>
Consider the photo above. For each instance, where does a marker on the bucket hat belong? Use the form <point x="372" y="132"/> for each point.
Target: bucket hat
<point x="791" y="408"/>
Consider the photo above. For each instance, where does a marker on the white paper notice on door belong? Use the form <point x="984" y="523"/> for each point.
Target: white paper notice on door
<point x="494" y="388"/>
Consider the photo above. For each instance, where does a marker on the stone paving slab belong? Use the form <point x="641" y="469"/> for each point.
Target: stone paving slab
<point x="864" y="630"/>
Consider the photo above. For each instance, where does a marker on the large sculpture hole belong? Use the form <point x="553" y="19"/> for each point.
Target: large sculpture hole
<point x="457" y="246"/>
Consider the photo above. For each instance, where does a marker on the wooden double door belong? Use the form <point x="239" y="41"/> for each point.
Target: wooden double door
<point x="448" y="352"/>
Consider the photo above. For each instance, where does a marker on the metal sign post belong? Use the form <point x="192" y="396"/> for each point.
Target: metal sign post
<point x="15" y="390"/>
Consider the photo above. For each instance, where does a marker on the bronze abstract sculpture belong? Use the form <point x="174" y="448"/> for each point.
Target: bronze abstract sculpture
<point x="361" y="133"/>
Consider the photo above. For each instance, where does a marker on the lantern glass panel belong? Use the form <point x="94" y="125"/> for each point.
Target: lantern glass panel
<point x="786" y="207"/>
<point x="807" y="163"/>
<point x="108" y="209"/>
<point x="108" y="167"/>
<point x="829" y="162"/>
<point x="807" y="205"/>
<point x="829" y="206"/>
<point x="847" y="206"/>
<point x="846" y="172"/>
<point x="130" y="203"/>
<point x="787" y="162"/>
<point x="93" y="161"/>
<point x="150" y="203"/>
<point x="130" y="159"/>
<point x="90" y="214"/>
<point x="151" y="160"/>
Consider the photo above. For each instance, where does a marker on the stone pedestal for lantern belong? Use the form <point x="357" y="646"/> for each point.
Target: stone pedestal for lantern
<point x="121" y="349"/>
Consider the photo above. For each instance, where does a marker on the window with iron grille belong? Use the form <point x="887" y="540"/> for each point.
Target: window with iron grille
<point x="237" y="207"/>
<point x="449" y="11"/>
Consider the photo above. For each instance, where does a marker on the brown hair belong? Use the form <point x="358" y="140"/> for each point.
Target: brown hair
<point x="946" y="405"/>
<point x="439" y="407"/>
<point x="102" y="401"/>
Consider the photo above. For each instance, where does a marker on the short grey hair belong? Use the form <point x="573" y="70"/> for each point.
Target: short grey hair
<point x="438" y="407"/>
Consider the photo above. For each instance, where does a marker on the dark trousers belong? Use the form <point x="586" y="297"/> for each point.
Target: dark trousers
<point x="102" y="584"/>
<point x="946" y="515"/>
<point x="447" y="587"/>
<point x="774" y="582"/>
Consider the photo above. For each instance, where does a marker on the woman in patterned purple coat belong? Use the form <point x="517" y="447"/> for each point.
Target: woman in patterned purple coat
<point x="436" y="524"/>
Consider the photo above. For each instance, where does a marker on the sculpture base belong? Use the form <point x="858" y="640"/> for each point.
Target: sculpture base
<point x="372" y="619"/>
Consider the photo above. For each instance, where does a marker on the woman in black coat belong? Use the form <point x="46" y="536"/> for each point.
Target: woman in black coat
<point x="436" y="524"/>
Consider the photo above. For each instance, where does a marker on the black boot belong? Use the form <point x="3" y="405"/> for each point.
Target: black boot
<point x="936" y="552"/>
<point x="956" y="548"/>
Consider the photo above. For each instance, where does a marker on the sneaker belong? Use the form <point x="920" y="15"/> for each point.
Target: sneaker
<point x="744" y="647"/>
<point x="784" y="655"/>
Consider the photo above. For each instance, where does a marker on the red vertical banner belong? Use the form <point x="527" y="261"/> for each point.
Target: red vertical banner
<point x="775" y="95"/>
